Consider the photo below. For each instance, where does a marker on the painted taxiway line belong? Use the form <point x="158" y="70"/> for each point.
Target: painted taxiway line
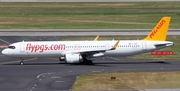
<point x="17" y="61"/>
<point x="5" y="41"/>
<point x="55" y="77"/>
<point x="113" y="58"/>
<point x="51" y="58"/>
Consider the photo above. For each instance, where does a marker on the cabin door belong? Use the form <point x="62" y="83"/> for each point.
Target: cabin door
<point x="107" y="46"/>
<point x="22" y="47"/>
<point x="144" y="46"/>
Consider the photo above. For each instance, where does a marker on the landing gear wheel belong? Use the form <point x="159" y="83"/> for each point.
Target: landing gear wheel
<point x="90" y="62"/>
<point x="22" y="63"/>
<point x="87" y="62"/>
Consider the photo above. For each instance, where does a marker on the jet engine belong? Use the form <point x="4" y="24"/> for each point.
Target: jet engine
<point x="62" y="58"/>
<point x="73" y="58"/>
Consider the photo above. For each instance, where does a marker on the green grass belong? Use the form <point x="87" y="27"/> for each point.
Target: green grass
<point x="175" y="48"/>
<point x="128" y="80"/>
<point x="87" y="15"/>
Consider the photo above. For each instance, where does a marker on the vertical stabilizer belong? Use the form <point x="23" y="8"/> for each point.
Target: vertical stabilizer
<point x="160" y="30"/>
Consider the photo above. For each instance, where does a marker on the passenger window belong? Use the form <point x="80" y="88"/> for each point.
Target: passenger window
<point x="11" y="47"/>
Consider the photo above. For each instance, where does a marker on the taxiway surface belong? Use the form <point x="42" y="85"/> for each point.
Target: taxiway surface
<point x="79" y="32"/>
<point x="49" y="74"/>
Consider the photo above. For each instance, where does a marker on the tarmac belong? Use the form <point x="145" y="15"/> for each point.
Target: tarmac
<point x="49" y="74"/>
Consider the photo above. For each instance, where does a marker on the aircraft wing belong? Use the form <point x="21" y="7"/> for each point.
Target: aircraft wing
<point x="92" y="51"/>
<point x="96" y="39"/>
<point x="88" y="52"/>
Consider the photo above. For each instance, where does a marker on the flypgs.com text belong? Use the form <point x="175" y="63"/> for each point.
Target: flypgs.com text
<point x="44" y="47"/>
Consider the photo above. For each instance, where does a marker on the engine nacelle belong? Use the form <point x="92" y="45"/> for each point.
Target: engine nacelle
<point x="98" y="55"/>
<point x="73" y="58"/>
<point x="61" y="58"/>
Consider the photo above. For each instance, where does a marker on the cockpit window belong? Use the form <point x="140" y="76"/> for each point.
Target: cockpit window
<point x="11" y="47"/>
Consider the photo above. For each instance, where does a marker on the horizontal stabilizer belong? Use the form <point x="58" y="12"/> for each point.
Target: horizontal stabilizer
<point x="166" y="43"/>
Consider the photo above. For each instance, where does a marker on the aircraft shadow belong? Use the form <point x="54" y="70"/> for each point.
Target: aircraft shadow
<point x="108" y="64"/>
<point x="150" y="62"/>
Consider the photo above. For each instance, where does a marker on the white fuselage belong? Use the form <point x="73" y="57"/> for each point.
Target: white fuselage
<point x="60" y="48"/>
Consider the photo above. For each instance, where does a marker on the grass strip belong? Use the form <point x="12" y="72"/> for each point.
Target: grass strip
<point x="118" y="15"/>
<point x="128" y="80"/>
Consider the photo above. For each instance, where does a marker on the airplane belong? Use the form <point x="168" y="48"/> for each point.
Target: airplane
<point x="82" y="51"/>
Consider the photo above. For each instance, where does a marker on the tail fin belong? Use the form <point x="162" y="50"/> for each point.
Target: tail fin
<point x="160" y="30"/>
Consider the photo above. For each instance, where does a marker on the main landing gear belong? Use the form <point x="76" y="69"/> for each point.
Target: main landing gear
<point x="87" y="62"/>
<point x="22" y="63"/>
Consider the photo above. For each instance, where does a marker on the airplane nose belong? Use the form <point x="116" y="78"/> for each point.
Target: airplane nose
<point x="4" y="52"/>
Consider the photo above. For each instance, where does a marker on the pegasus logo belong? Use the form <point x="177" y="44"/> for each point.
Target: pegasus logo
<point x="157" y="28"/>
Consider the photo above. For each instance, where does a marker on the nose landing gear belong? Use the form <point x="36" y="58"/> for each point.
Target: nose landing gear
<point x="22" y="63"/>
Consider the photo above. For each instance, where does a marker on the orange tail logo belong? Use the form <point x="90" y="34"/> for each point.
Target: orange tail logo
<point x="160" y="30"/>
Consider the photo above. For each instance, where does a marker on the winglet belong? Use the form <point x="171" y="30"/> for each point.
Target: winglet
<point x="160" y="30"/>
<point x="96" y="39"/>
<point x="116" y="45"/>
